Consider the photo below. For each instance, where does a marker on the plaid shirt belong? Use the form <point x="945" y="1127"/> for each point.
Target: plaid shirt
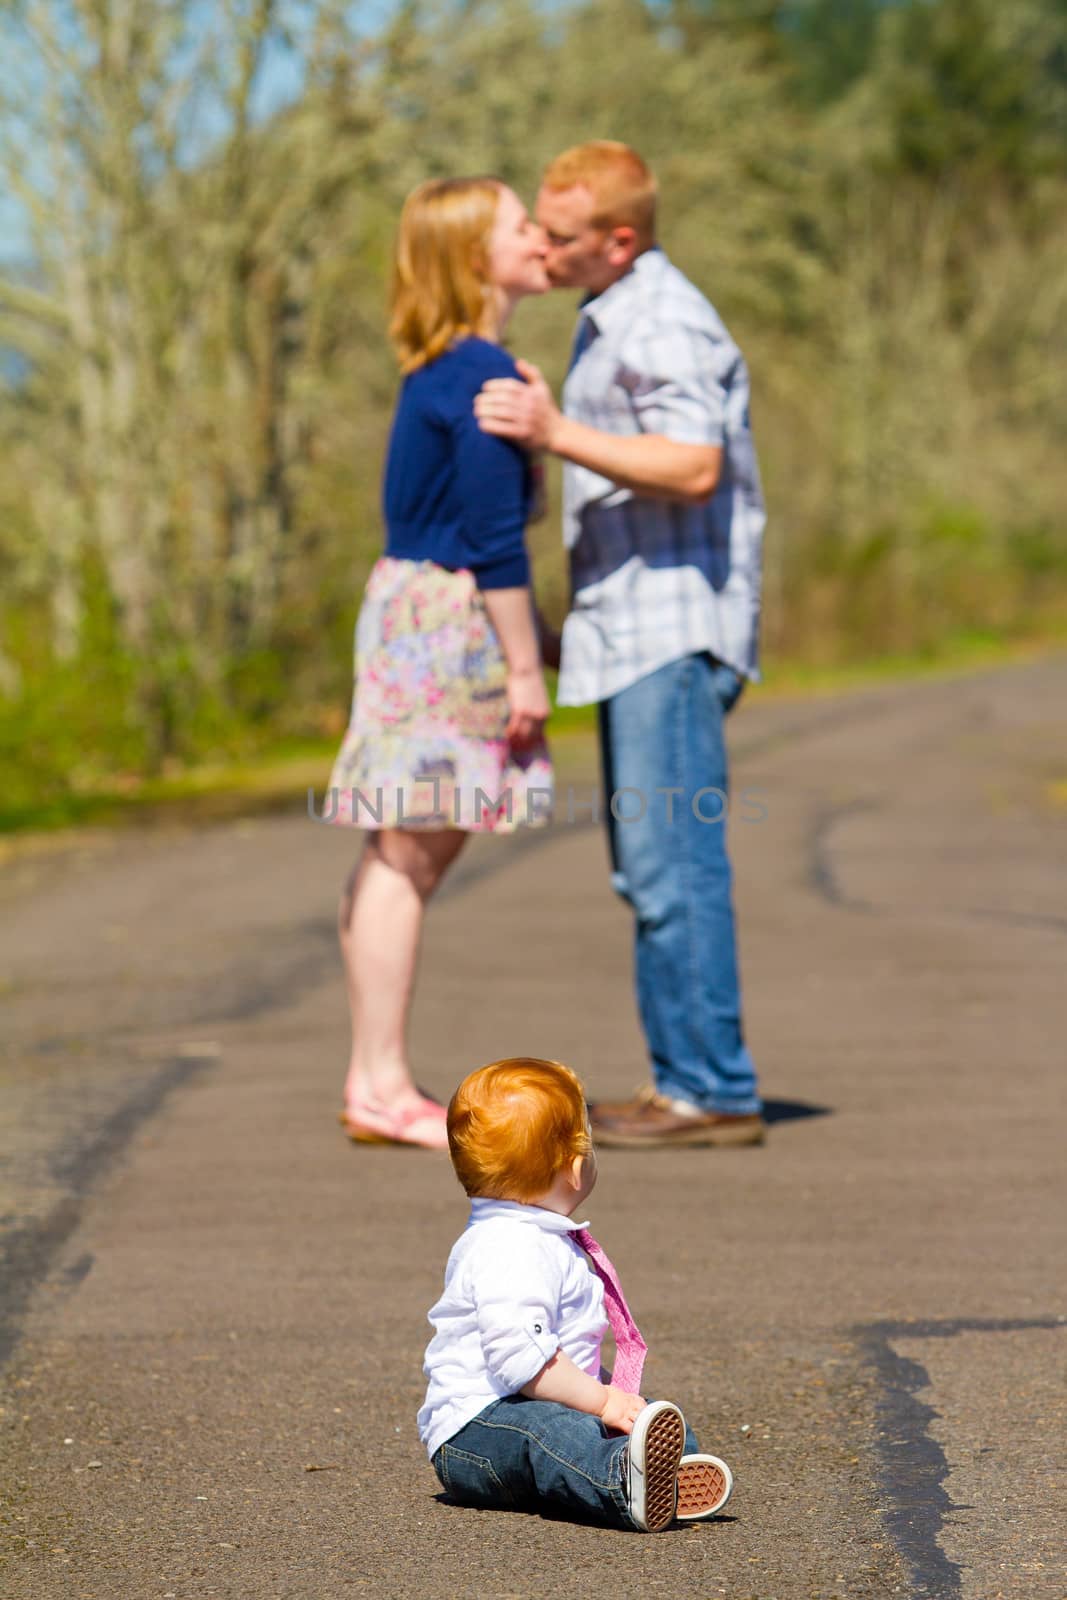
<point x="653" y="580"/>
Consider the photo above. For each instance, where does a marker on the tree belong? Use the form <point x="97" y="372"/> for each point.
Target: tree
<point x="163" y="326"/>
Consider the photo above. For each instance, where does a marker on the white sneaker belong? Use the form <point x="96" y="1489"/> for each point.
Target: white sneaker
<point x="655" y="1454"/>
<point x="704" y="1485"/>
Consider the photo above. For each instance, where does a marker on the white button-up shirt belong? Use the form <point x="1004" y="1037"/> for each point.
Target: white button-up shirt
<point x="517" y="1289"/>
<point x="652" y="580"/>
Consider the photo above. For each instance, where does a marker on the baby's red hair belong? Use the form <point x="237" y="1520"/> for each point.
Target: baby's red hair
<point x="514" y="1125"/>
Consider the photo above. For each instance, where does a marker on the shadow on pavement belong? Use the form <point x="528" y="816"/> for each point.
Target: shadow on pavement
<point x="792" y="1110"/>
<point x="576" y="1516"/>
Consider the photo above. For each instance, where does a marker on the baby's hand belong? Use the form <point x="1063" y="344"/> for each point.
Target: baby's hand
<point x="620" y="1410"/>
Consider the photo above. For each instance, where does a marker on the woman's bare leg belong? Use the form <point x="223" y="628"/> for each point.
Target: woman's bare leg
<point x="380" y="924"/>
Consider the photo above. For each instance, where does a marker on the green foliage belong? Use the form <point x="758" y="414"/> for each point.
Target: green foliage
<point x="970" y="86"/>
<point x="830" y="43"/>
<point x="73" y="718"/>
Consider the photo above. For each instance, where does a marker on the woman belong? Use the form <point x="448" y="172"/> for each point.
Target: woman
<point x="445" y="737"/>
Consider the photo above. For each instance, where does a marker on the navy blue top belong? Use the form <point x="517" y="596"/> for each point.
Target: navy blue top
<point x="453" y="494"/>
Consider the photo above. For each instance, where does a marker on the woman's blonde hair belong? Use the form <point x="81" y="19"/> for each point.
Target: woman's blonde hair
<point x="624" y="190"/>
<point x="440" y="288"/>
<point x="514" y="1125"/>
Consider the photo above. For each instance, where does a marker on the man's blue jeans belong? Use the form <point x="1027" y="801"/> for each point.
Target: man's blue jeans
<point x="536" y="1455"/>
<point x="665" y="776"/>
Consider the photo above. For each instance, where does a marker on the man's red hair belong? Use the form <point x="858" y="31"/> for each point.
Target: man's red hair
<point x="622" y="186"/>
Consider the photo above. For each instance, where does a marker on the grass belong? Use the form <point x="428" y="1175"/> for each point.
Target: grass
<point x="957" y="654"/>
<point x="223" y="790"/>
<point x="210" y="791"/>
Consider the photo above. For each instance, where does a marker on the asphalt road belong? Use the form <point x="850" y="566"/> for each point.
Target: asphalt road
<point x="214" y="1307"/>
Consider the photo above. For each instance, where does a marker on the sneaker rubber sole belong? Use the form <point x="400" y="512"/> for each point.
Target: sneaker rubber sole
<point x="655" y="1454"/>
<point x="704" y="1486"/>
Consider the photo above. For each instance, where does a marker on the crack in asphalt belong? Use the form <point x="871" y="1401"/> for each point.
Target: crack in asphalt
<point x="29" y="1250"/>
<point x="912" y="1467"/>
<point x="1017" y="919"/>
<point x="822" y="875"/>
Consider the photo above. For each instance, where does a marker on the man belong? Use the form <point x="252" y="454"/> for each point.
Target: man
<point x="663" y="518"/>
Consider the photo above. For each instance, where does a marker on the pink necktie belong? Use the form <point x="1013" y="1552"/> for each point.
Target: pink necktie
<point x="630" y="1348"/>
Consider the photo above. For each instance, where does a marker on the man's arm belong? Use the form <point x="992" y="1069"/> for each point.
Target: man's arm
<point x="647" y="463"/>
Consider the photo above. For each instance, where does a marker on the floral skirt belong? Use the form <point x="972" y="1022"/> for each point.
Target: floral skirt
<point x="426" y="746"/>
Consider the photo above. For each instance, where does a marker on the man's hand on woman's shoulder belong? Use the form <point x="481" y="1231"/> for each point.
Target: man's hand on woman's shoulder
<point x="523" y="411"/>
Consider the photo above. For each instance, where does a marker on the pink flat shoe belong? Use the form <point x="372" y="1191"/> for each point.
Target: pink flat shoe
<point x="421" y="1125"/>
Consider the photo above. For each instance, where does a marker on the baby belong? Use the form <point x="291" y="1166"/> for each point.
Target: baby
<point x="516" y="1413"/>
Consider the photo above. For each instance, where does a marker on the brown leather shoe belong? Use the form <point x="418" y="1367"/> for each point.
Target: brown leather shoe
<point x="650" y="1121"/>
<point x="644" y="1094"/>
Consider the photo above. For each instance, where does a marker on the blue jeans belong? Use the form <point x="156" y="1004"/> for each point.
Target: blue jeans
<point x="668" y="853"/>
<point x="536" y="1455"/>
